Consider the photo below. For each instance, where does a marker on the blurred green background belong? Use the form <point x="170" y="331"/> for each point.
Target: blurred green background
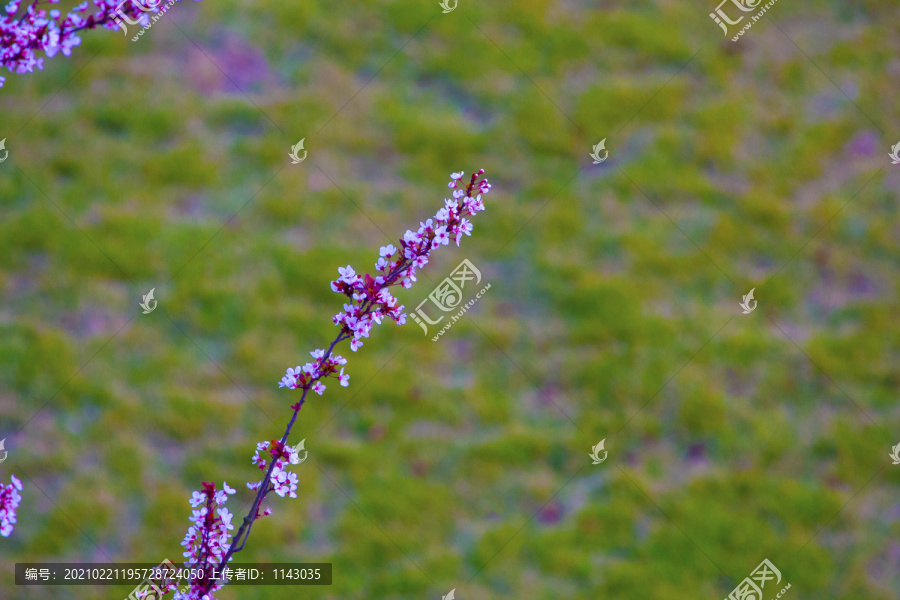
<point x="613" y="309"/>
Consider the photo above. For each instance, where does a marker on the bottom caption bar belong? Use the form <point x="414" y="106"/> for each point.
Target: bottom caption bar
<point x="150" y="574"/>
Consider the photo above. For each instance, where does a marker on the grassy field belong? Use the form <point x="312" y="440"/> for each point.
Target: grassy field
<point x="613" y="310"/>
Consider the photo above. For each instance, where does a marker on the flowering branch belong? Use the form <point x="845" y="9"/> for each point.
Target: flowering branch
<point x="48" y="31"/>
<point x="370" y="303"/>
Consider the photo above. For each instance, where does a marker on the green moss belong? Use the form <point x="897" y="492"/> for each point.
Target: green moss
<point x="614" y="294"/>
<point x="702" y="409"/>
<point x="188" y="166"/>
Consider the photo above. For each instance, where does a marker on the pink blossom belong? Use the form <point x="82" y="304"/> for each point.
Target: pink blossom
<point x="9" y="504"/>
<point x="348" y="275"/>
<point x="465" y="227"/>
<point x="290" y="379"/>
<point x="308" y="375"/>
<point x="282" y="480"/>
<point x="441" y="237"/>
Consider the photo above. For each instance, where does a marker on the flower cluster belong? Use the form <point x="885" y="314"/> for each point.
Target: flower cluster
<point x="371" y="302"/>
<point x="310" y="375"/>
<point x="209" y="537"/>
<point x="283" y="481"/>
<point x="52" y="32"/>
<point x="9" y="503"/>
